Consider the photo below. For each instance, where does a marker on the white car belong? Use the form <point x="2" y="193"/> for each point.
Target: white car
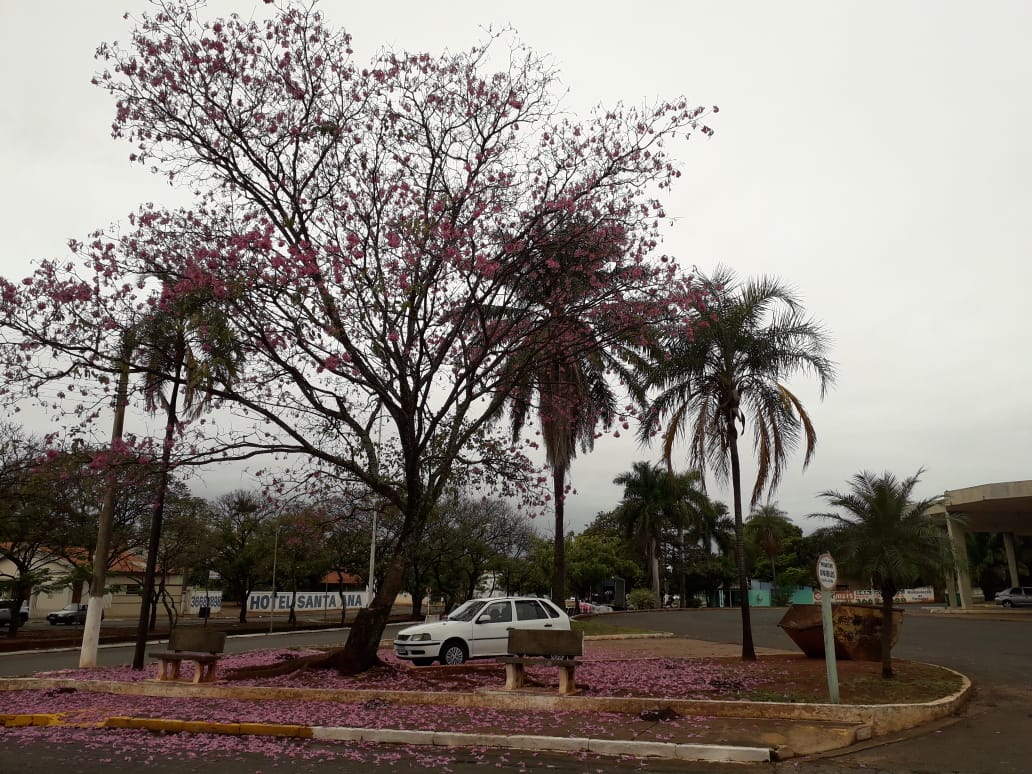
<point x="478" y="628"/>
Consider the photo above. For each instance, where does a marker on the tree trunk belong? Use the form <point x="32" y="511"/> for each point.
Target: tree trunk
<point x="417" y="603"/>
<point x="243" y="604"/>
<point x="888" y="592"/>
<point x="748" y="650"/>
<point x="156" y="518"/>
<point x="559" y="560"/>
<point x="95" y="610"/>
<point x="359" y="652"/>
<point x="654" y="571"/>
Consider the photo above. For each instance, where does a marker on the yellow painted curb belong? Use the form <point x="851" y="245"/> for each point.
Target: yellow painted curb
<point x="207" y="727"/>
<point x="18" y="721"/>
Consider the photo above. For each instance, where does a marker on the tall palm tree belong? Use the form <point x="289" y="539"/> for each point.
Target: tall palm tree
<point x="888" y="537"/>
<point x="188" y="350"/>
<point x="754" y="336"/>
<point x="654" y="500"/>
<point x="562" y="370"/>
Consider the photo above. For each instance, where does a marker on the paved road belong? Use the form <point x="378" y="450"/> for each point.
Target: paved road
<point x="28" y="663"/>
<point x="992" y="736"/>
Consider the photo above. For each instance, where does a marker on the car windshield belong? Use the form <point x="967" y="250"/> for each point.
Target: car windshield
<point x="466" y="611"/>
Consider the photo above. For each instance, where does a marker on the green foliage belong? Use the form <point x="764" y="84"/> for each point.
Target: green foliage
<point x="642" y="599"/>
<point x="788" y="581"/>
<point x="987" y="560"/>
<point x="766" y="532"/>
<point x="592" y="558"/>
<point x="654" y="502"/>
<point x="887" y="536"/>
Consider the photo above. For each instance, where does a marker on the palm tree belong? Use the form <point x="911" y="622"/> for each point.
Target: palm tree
<point x="767" y="527"/>
<point x="888" y="537"/>
<point x="654" y="499"/>
<point x="753" y="337"/>
<point x="564" y="362"/>
<point x="188" y="351"/>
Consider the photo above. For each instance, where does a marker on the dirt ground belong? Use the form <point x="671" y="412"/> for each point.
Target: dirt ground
<point x="796" y="678"/>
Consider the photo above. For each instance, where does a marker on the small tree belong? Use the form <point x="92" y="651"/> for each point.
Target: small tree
<point x="767" y="529"/>
<point x="238" y="546"/>
<point x="888" y="537"/>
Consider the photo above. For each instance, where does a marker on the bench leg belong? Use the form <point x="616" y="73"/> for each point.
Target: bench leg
<point x="169" y="670"/>
<point x="205" y="673"/>
<point x="566" y="680"/>
<point x="514" y="676"/>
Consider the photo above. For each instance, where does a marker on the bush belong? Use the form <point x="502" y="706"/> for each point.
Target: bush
<point x="641" y="599"/>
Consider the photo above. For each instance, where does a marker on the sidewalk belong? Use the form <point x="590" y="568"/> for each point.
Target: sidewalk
<point x="534" y="719"/>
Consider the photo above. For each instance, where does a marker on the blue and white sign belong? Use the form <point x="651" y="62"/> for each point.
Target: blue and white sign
<point x="827" y="572"/>
<point x="308" y="601"/>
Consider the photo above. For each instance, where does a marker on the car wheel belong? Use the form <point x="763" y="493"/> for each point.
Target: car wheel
<point x="53" y="623"/>
<point x="454" y="652"/>
<point x="1008" y="603"/>
<point x="422" y="661"/>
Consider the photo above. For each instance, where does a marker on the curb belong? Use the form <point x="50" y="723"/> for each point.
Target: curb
<point x="809" y="723"/>
<point x="609" y="747"/>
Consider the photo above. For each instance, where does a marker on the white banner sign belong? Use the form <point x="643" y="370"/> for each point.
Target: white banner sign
<point x="261" y="601"/>
<point x="873" y="597"/>
<point x="209" y="599"/>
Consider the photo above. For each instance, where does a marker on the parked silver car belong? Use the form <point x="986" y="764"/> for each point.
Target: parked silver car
<point x="478" y="628"/>
<point x="6" y="606"/>
<point x="1013" y="597"/>
<point x="75" y="613"/>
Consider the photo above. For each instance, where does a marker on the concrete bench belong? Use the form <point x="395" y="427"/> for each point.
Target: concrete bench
<point x="201" y="646"/>
<point x="543" y="647"/>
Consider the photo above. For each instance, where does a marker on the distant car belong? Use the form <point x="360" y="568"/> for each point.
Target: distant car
<point x="1014" y="597"/>
<point x="69" y="614"/>
<point x="7" y="605"/>
<point x="478" y="628"/>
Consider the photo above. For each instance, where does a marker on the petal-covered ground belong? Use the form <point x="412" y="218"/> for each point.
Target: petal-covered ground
<point x="608" y="668"/>
<point x="602" y="672"/>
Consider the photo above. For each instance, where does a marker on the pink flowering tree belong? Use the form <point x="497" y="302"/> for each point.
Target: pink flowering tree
<point x="357" y="226"/>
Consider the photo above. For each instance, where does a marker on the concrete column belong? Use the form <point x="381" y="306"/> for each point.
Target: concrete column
<point x="951" y="589"/>
<point x="956" y="533"/>
<point x="1012" y="559"/>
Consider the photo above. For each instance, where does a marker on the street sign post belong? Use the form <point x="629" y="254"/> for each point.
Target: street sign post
<point x="827" y="576"/>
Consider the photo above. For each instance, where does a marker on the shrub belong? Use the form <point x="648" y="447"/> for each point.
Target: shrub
<point x="641" y="599"/>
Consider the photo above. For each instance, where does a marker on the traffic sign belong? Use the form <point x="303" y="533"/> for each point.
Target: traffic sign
<point x="827" y="572"/>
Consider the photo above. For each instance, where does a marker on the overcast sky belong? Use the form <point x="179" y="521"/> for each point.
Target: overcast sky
<point x="875" y="155"/>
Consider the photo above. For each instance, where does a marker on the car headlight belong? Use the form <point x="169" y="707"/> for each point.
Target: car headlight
<point x="424" y="637"/>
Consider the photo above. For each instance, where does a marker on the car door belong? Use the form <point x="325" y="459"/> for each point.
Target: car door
<point x="531" y="615"/>
<point x="491" y="630"/>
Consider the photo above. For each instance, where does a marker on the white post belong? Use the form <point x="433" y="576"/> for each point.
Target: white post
<point x="372" y="563"/>
<point x="827" y="575"/>
<point x="275" y="551"/>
